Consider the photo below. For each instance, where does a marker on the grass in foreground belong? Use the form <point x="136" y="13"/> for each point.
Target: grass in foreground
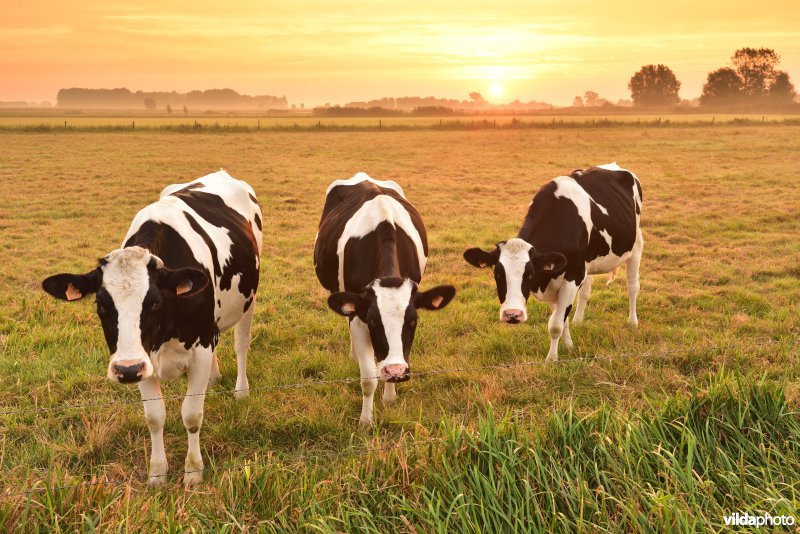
<point x="679" y="466"/>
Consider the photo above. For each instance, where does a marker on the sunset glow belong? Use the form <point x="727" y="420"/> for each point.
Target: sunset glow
<point x="326" y="51"/>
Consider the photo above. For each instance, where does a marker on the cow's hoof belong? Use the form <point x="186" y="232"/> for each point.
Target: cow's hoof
<point x="243" y="393"/>
<point x="551" y="359"/>
<point x="192" y="479"/>
<point x="569" y="345"/>
<point x="156" y="481"/>
<point x="634" y="323"/>
<point x="365" y="424"/>
<point x="389" y="401"/>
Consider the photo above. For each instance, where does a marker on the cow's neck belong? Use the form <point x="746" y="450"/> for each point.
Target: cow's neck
<point x="150" y="239"/>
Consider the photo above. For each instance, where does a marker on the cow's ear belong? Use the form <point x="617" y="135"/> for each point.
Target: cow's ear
<point x="481" y="258"/>
<point x="347" y="303"/>
<point x="186" y="282"/>
<point x="435" y="298"/>
<point x="550" y="263"/>
<point x="73" y="286"/>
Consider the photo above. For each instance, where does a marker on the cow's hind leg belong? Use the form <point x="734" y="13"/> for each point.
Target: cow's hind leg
<point x="584" y="292"/>
<point x="359" y="336"/>
<point x="215" y="375"/>
<point x="241" y="344"/>
<point x="389" y="393"/>
<point x="192" y="412"/>
<point x="154" y="415"/>
<point x="632" y="274"/>
<point x="558" y="319"/>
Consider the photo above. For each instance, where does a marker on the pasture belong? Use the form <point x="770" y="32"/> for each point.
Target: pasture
<point x="691" y="416"/>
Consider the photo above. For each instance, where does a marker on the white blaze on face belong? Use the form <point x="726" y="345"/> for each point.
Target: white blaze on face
<point x="127" y="281"/>
<point x="514" y="255"/>
<point x="392" y="304"/>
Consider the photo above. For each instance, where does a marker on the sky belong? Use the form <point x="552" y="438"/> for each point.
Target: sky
<point x="322" y="51"/>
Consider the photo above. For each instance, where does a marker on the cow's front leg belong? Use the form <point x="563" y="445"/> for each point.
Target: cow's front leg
<point x="389" y="393"/>
<point x="154" y="415"/>
<point x="556" y="324"/>
<point x="584" y="292"/>
<point x="359" y="336"/>
<point x="192" y="412"/>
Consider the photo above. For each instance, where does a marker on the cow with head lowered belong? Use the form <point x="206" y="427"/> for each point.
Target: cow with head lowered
<point x="370" y="253"/>
<point x="578" y="225"/>
<point x="187" y="271"/>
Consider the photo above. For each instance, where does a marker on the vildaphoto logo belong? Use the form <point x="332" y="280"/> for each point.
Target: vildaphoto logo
<point x="746" y="519"/>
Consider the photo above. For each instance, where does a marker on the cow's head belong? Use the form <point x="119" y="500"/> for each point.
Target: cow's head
<point x="135" y="293"/>
<point x="389" y="307"/>
<point x="517" y="269"/>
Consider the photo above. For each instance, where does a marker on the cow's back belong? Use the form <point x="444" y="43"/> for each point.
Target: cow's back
<point x="344" y="218"/>
<point x="578" y="214"/>
<point x="214" y="222"/>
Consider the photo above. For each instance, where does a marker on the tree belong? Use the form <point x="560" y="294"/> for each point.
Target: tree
<point x="149" y="103"/>
<point x="185" y="110"/>
<point x="476" y="97"/>
<point x="578" y="102"/>
<point x="169" y="109"/>
<point x="756" y="68"/>
<point x="723" y="87"/>
<point x="654" y="85"/>
<point x="591" y="98"/>
<point x="782" y="89"/>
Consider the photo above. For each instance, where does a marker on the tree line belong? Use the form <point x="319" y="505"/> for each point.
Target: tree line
<point x="752" y="79"/>
<point x="126" y="99"/>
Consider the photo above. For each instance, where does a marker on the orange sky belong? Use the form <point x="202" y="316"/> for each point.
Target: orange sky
<point x="336" y="51"/>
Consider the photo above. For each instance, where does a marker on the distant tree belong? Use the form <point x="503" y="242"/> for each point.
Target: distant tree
<point x="476" y="97"/>
<point x="169" y="109"/>
<point x="756" y="68"/>
<point x="654" y="85"/>
<point x="577" y="102"/>
<point x="723" y="87"/>
<point x="590" y="98"/>
<point x="149" y="103"/>
<point x="185" y="110"/>
<point x="782" y="90"/>
<point x="302" y="106"/>
<point x="294" y="106"/>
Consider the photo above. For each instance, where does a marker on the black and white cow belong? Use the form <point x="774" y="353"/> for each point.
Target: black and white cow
<point x="187" y="270"/>
<point x="578" y="225"/>
<point x="370" y="253"/>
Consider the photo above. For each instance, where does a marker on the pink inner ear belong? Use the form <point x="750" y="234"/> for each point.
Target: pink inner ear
<point x="72" y="292"/>
<point x="437" y="300"/>
<point x="549" y="266"/>
<point x="348" y="307"/>
<point x="483" y="264"/>
<point x="184" y="287"/>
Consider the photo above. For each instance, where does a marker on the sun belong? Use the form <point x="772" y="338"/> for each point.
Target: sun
<point x="496" y="89"/>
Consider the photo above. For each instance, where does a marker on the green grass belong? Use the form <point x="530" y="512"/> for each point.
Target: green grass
<point x="719" y="276"/>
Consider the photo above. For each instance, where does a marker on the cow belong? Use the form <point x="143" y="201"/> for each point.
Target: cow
<point x="370" y="254"/>
<point x="187" y="270"/>
<point x="577" y="226"/>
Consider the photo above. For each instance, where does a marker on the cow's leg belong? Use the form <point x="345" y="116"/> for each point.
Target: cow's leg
<point x="566" y="335"/>
<point x="215" y="374"/>
<point x="241" y="343"/>
<point x="632" y="273"/>
<point x="389" y="393"/>
<point x="359" y="336"/>
<point x="583" y="298"/>
<point x="154" y="415"/>
<point x="555" y="326"/>
<point x="192" y="412"/>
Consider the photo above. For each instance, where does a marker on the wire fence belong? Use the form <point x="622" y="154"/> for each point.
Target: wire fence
<point x="755" y="343"/>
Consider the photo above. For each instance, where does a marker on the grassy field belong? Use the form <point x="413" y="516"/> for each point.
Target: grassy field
<point x="689" y="417"/>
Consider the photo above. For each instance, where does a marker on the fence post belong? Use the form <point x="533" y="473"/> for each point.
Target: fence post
<point x="65" y="125"/>
<point x="133" y="125"/>
<point x="379" y="123"/>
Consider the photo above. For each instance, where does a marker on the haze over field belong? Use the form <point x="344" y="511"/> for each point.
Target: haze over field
<point x="325" y="51"/>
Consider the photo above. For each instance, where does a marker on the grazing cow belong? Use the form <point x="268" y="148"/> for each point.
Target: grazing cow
<point x="578" y="225"/>
<point x="187" y="270"/>
<point x="370" y="253"/>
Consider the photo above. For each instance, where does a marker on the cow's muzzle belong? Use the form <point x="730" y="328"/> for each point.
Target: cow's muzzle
<point x="128" y="372"/>
<point x="512" y="316"/>
<point x="395" y="373"/>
